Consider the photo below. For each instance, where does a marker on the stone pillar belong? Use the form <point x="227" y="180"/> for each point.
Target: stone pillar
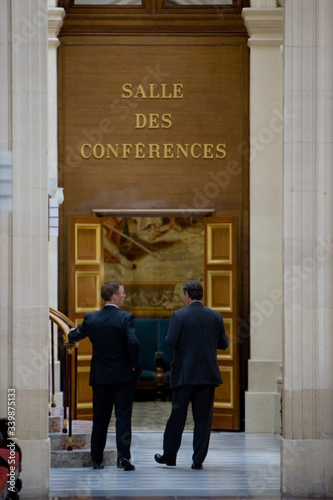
<point x="262" y="400"/>
<point x="5" y="210"/>
<point x="55" y="20"/>
<point x="307" y="443"/>
<point x="25" y="336"/>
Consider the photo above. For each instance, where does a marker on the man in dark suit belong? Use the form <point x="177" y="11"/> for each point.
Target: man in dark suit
<point x="195" y="333"/>
<point x="114" y="370"/>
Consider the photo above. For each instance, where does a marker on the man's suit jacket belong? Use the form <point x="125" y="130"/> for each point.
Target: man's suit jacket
<point x="196" y="332"/>
<point x="115" y="345"/>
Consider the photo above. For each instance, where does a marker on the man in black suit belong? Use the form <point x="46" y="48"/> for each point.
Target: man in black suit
<point x="114" y="371"/>
<point x="195" y="333"/>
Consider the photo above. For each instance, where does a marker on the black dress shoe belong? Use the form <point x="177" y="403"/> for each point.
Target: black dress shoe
<point x="98" y="466"/>
<point x="196" y="466"/>
<point x="160" y="459"/>
<point x="123" y="463"/>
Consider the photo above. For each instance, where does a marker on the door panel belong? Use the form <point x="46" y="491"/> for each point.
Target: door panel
<point x="221" y="295"/>
<point x="87" y="275"/>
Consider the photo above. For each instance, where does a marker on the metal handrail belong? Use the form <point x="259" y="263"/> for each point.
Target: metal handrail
<point x="65" y="325"/>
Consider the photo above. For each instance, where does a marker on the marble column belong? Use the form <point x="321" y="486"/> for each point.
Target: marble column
<point x="55" y="20"/>
<point x="25" y="287"/>
<point x="307" y="443"/>
<point x="6" y="201"/>
<point x="264" y="21"/>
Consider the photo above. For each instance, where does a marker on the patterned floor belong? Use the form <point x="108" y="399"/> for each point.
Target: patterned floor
<point x="237" y="465"/>
<point x="152" y="416"/>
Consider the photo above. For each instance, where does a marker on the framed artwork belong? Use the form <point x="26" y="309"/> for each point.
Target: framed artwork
<point x="153" y="257"/>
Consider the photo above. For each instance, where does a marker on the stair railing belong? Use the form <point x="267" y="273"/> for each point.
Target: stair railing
<point x="65" y="325"/>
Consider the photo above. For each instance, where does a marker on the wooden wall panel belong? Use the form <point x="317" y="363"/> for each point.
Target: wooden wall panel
<point x="208" y="56"/>
<point x="207" y="120"/>
<point x="86" y="278"/>
<point x="88" y="288"/>
<point x="87" y="244"/>
<point x="219" y="244"/>
<point x="228" y="353"/>
<point x="224" y="394"/>
<point x="221" y="294"/>
<point x="220" y="290"/>
<point x="84" y="396"/>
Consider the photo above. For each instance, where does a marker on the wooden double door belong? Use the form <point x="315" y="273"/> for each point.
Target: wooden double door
<point x="220" y="285"/>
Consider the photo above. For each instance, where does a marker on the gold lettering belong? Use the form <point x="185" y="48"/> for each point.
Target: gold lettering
<point x="192" y="150"/>
<point x="151" y="91"/>
<point x="177" y="91"/>
<point x="182" y="150"/>
<point x="208" y="151"/>
<point x="154" y="149"/>
<point x="111" y="149"/>
<point x="166" y="120"/>
<point x="140" y="92"/>
<point x="220" y="148"/>
<point x="168" y="151"/>
<point x="127" y="91"/>
<point x="153" y="120"/>
<point x="174" y="91"/>
<point x="164" y="96"/>
<point x="86" y="157"/>
<point x="139" y="150"/>
<point x="126" y="150"/>
<point x="140" y="120"/>
<point x="101" y="153"/>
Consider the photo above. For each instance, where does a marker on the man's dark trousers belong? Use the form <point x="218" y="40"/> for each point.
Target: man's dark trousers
<point x="104" y="398"/>
<point x="201" y="397"/>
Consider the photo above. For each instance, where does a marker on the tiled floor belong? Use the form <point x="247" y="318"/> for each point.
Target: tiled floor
<point x="153" y="416"/>
<point x="237" y="465"/>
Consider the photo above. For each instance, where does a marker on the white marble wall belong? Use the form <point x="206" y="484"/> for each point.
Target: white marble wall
<point x="24" y="288"/>
<point x="307" y="444"/>
<point x="55" y="20"/>
<point x="5" y="211"/>
<point x="264" y="22"/>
